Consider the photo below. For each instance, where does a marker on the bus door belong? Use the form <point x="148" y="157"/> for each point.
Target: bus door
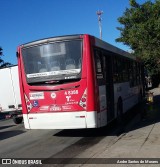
<point x="108" y="76"/>
<point x="102" y="100"/>
<point x="104" y="73"/>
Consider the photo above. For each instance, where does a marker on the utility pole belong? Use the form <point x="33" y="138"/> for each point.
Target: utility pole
<point x="99" y="13"/>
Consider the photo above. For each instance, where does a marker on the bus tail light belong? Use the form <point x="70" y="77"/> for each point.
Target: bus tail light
<point x="83" y="100"/>
<point x="28" y="104"/>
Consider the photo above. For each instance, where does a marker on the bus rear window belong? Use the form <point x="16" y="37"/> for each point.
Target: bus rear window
<point x="53" y="61"/>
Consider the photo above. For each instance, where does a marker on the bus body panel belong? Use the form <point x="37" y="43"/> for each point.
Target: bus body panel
<point x="103" y="106"/>
<point x="52" y="100"/>
<point x="61" y="106"/>
<point x="130" y="96"/>
<point x="62" y="120"/>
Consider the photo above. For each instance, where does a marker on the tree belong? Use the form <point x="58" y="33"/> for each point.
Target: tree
<point x="2" y="63"/>
<point x="141" y="32"/>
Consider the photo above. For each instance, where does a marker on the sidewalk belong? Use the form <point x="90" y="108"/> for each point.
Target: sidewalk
<point x="141" y="139"/>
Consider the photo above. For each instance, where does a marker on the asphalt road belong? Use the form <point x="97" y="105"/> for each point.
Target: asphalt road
<point x="16" y="142"/>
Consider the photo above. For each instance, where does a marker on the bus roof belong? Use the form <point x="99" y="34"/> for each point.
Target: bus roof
<point x="98" y="42"/>
<point x="104" y="45"/>
<point x="51" y="39"/>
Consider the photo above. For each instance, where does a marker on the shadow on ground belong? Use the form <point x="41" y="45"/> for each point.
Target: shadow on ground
<point x="149" y="113"/>
<point x="8" y="134"/>
<point x="5" y="127"/>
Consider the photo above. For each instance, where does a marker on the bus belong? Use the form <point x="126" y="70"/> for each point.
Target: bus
<point x="76" y="81"/>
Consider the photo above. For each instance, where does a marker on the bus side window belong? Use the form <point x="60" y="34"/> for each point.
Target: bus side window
<point x="98" y="64"/>
<point x="118" y="70"/>
<point x="115" y="77"/>
<point x="131" y="77"/>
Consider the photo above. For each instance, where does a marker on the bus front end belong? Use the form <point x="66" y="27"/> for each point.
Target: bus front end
<point x="54" y="76"/>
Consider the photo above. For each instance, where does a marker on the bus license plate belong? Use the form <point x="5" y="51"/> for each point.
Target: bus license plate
<point x="55" y="108"/>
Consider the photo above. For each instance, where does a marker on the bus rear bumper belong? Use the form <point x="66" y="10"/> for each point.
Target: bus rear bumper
<point x="61" y="120"/>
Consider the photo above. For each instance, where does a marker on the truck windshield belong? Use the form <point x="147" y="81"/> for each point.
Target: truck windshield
<point x="53" y="61"/>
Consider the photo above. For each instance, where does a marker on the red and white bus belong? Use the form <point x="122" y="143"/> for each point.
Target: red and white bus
<point x="76" y="81"/>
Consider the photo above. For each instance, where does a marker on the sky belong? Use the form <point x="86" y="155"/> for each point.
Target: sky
<point x="23" y="21"/>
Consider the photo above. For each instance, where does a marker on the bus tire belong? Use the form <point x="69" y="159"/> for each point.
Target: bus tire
<point x="120" y="111"/>
<point x="17" y="120"/>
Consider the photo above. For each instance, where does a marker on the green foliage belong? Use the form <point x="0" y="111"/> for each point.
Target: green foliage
<point x="141" y="32"/>
<point x="2" y="63"/>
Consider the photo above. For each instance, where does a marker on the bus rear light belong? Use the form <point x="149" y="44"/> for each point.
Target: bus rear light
<point x="83" y="101"/>
<point x="28" y="103"/>
<point x="84" y="105"/>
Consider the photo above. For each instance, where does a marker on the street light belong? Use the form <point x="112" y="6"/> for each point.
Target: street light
<point x="99" y="13"/>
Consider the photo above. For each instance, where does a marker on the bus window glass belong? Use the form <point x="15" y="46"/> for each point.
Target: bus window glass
<point x="52" y="61"/>
<point x="125" y="70"/>
<point x="98" y="63"/>
<point x="115" y="69"/>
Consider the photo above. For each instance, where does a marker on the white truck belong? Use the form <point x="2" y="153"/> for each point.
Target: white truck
<point x="10" y="101"/>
